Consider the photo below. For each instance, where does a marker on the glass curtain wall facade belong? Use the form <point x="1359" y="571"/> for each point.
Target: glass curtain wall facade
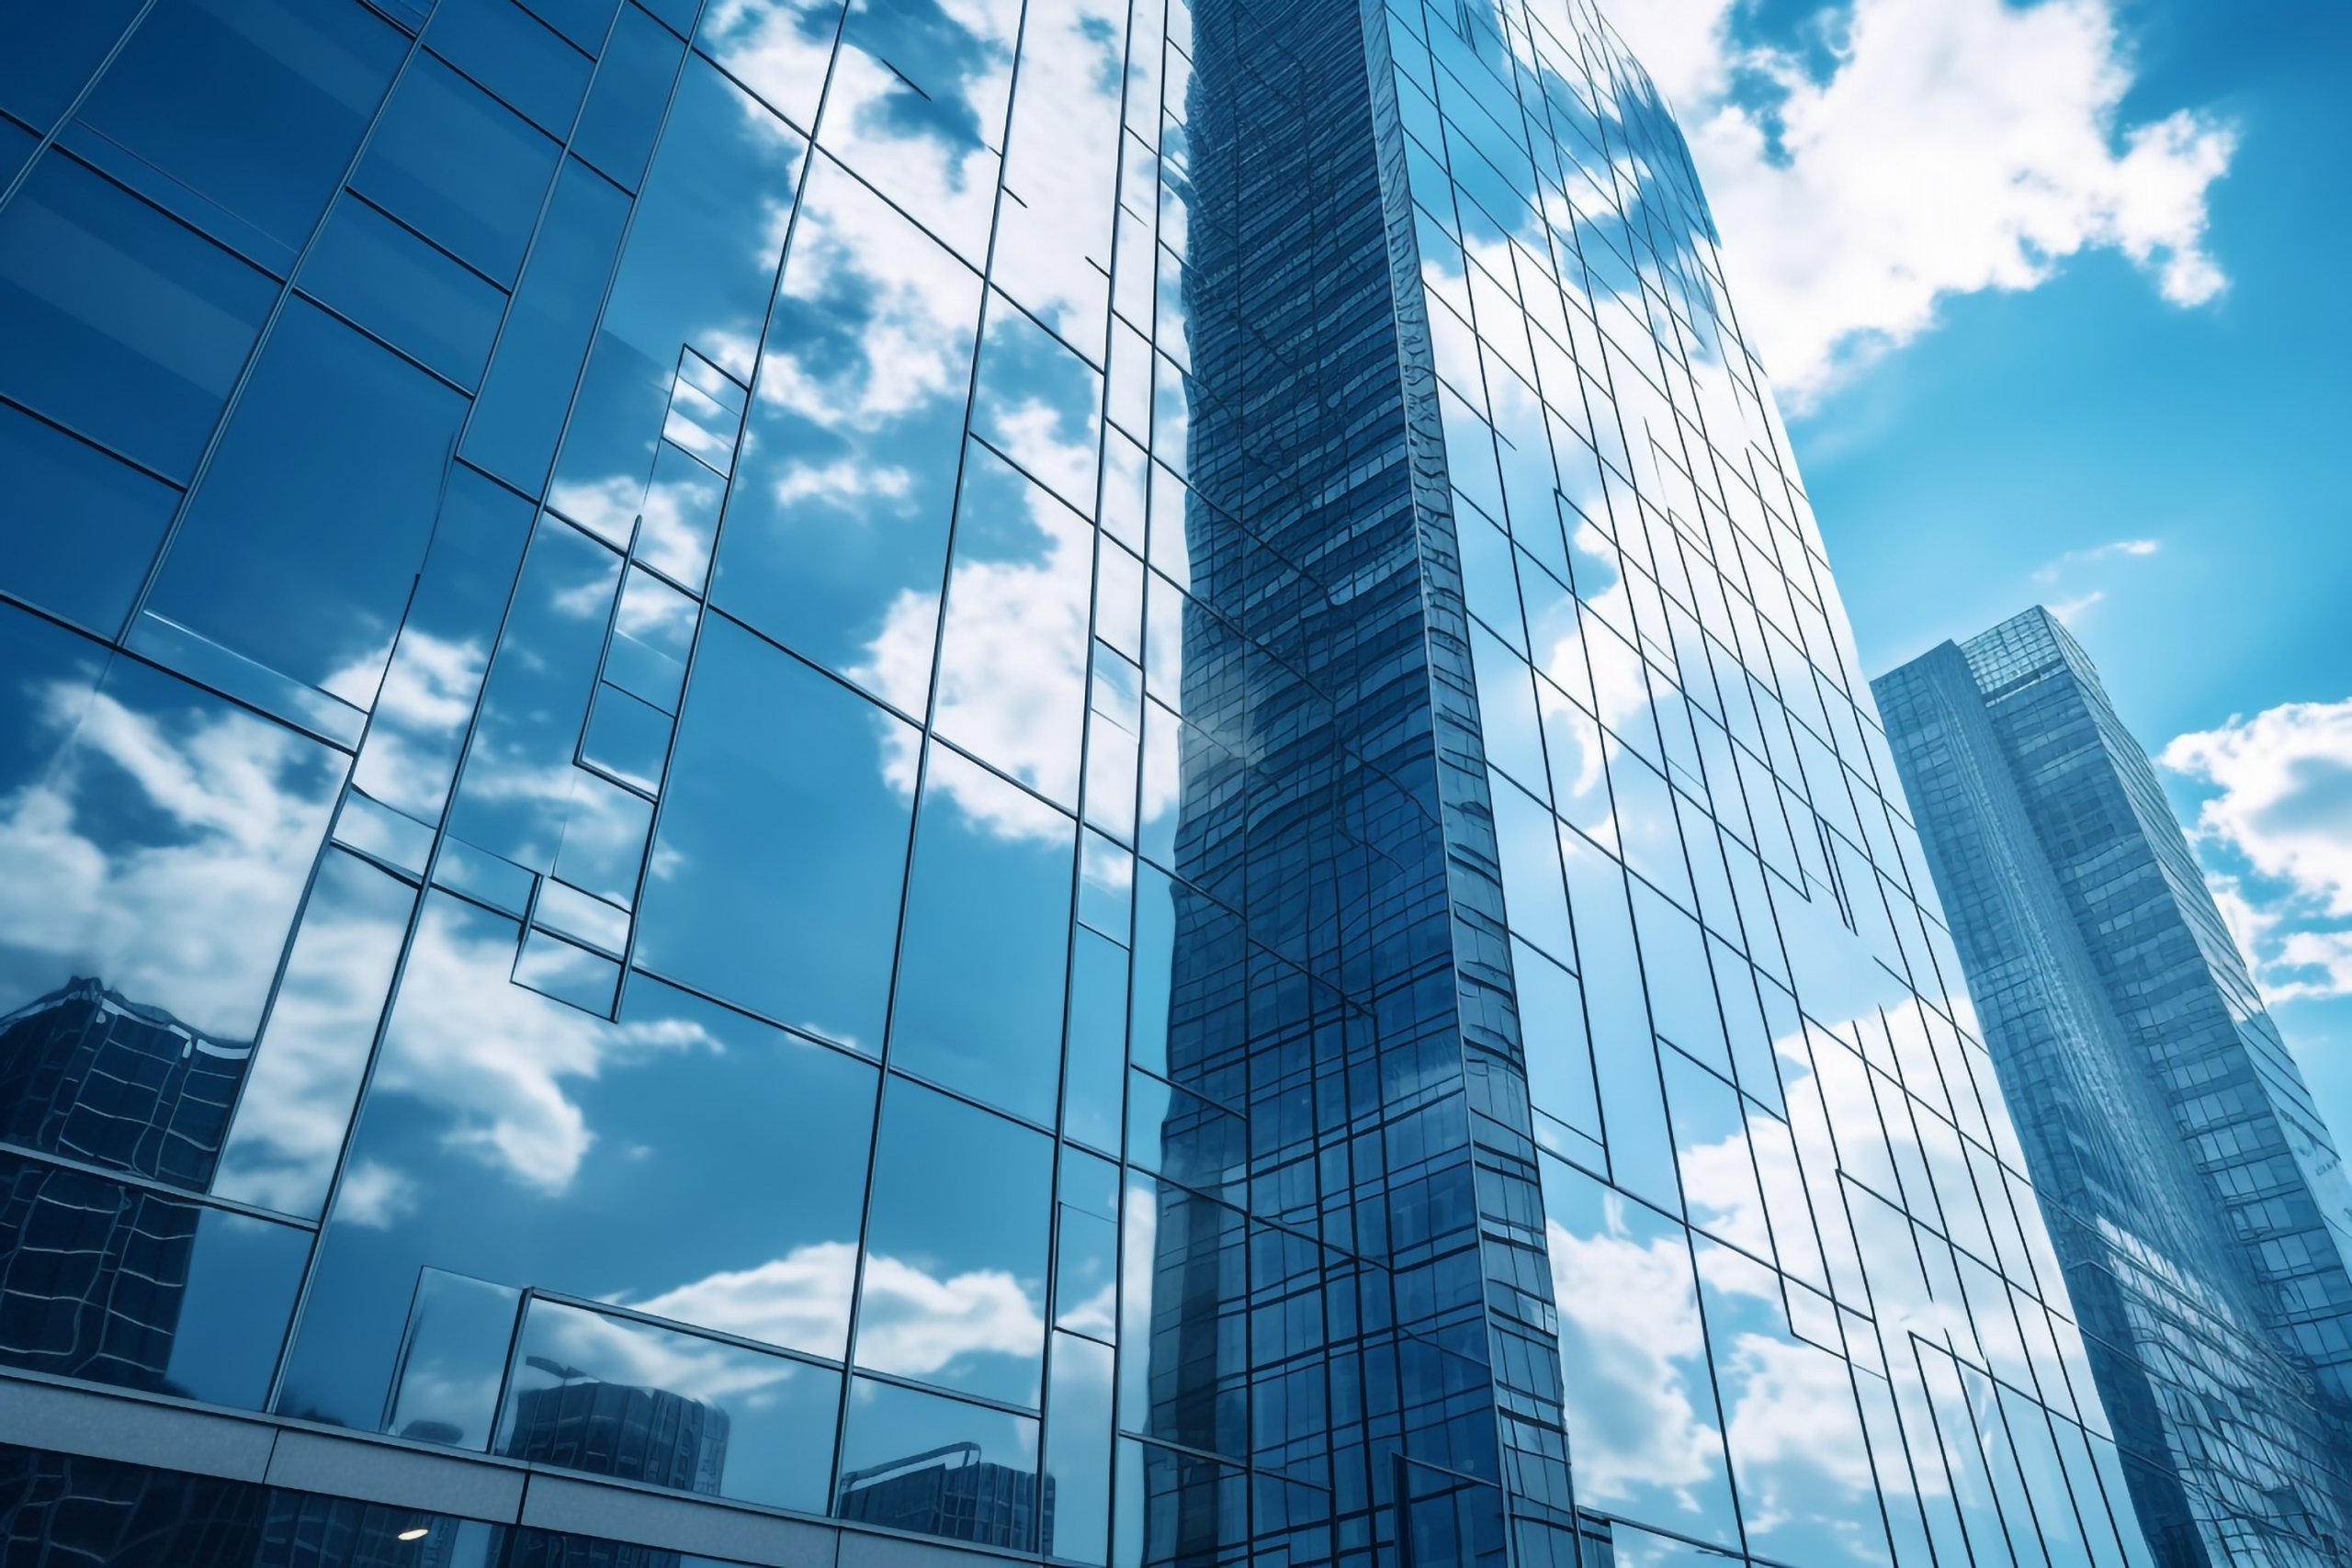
<point x="2195" y="1196"/>
<point x="1077" y="775"/>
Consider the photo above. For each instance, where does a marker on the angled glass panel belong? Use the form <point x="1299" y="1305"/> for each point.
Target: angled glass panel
<point x="426" y="702"/>
<point x="626" y="101"/>
<point x="1641" y="1404"/>
<point x="383" y="275"/>
<point x="116" y="322"/>
<point x="527" y="63"/>
<point x="48" y="53"/>
<point x="930" y="1465"/>
<point x="514" y="1139"/>
<point x="1183" y="1301"/>
<point x="1014" y="645"/>
<point x="78" y="528"/>
<point x="296" y="1104"/>
<point x="159" y="839"/>
<point x="981" y="967"/>
<point x="916" y="105"/>
<point x="957" y="1236"/>
<point x="837" y="535"/>
<point x="1038" y="403"/>
<point x="519" y="416"/>
<point x="779" y="49"/>
<point x="609" y="1396"/>
<point x="330" y="425"/>
<point x="783" y="842"/>
<point x="121" y="1285"/>
<point x="249" y="112"/>
<point x="687" y="302"/>
<point x="459" y="167"/>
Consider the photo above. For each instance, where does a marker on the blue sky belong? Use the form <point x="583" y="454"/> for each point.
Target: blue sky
<point x="2052" y="295"/>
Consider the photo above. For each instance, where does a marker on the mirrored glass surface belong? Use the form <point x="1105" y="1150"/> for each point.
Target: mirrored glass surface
<point x="930" y="1465"/>
<point x="954" y="1292"/>
<point x="783" y="845"/>
<point x="981" y="963"/>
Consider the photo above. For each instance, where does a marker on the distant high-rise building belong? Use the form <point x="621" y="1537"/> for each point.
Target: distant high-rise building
<point x="1085" y="766"/>
<point x="2192" y="1190"/>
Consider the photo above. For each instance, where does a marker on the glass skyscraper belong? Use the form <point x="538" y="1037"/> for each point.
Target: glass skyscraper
<point x="2197" y="1202"/>
<point x="1078" y="777"/>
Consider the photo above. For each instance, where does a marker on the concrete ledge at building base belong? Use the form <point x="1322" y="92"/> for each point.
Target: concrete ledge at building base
<point x="69" y="1420"/>
<point x="398" y="1477"/>
<point x="675" y="1524"/>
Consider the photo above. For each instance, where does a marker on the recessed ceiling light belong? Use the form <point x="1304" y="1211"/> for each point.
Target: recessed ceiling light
<point x="419" y="1533"/>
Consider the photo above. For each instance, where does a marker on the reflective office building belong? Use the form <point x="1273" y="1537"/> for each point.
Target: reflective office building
<point x="2197" y="1203"/>
<point x="1078" y="778"/>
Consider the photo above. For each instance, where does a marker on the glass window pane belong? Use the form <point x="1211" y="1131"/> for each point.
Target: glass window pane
<point x="1077" y="1449"/>
<point x="117" y="322"/>
<point x="1038" y="403"/>
<point x="297" y="1099"/>
<point x="121" y="1285"/>
<point x="617" y="1397"/>
<point x="47" y="52"/>
<point x="955" y="1289"/>
<point x="501" y="45"/>
<point x="1641" y="1403"/>
<point x="979" y="1002"/>
<point x="78" y="529"/>
<point x="330" y="425"/>
<point x="510" y="1138"/>
<point x="155" y="838"/>
<point x="916" y="107"/>
<point x="427" y="699"/>
<point x="783" y="842"/>
<point x="626" y="101"/>
<point x="383" y="277"/>
<point x="251" y="106"/>
<point x="1012" y="650"/>
<point x="460" y="166"/>
<point x="519" y="416"/>
<point x="686" y="305"/>
<point x="934" y="1466"/>
<point x="779" y="49"/>
<point x="837" y="539"/>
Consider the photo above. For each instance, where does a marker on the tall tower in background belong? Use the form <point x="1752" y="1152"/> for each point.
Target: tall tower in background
<point x="2196" y="1199"/>
<point x="1078" y="771"/>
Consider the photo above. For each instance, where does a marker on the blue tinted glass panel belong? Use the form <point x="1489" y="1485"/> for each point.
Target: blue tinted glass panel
<point x="117" y="321"/>
<point x="979" y="1000"/>
<point x="332" y="427"/>
<point x="17" y="146"/>
<point x="613" y="1396"/>
<point x="779" y="49"/>
<point x="382" y="276"/>
<point x="253" y="107"/>
<point x="514" y="1139"/>
<point x="783" y="844"/>
<point x="517" y="56"/>
<point x="520" y="412"/>
<point x="77" y="529"/>
<point x="48" y="51"/>
<point x="178" y="834"/>
<point x="626" y="101"/>
<point x="837" y="535"/>
<point x="121" y="1285"/>
<point x="936" y="1466"/>
<point x="461" y="167"/>
<point x="955" y="1289"/>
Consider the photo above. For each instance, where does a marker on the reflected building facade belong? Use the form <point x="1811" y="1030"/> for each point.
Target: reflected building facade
<point x="2196" y="1198"/>
<point x="1077" y="772"/>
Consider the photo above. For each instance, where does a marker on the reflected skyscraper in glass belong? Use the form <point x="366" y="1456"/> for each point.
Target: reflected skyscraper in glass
<point x="1075" y="774"/>
<point x="2197" y="1201"/>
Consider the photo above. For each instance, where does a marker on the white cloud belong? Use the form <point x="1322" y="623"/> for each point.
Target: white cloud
<point x="2109" y="551"/>
<point x="2071" y="610"/>
<point x="163" y="853"/>
<point x="2281" y="809"/>
<point x="1954" y="146"/>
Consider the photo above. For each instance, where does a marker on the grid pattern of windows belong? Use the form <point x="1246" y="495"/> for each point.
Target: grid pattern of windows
<point x="2193" y="1194"/>
<point x="1072" y="772"/>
